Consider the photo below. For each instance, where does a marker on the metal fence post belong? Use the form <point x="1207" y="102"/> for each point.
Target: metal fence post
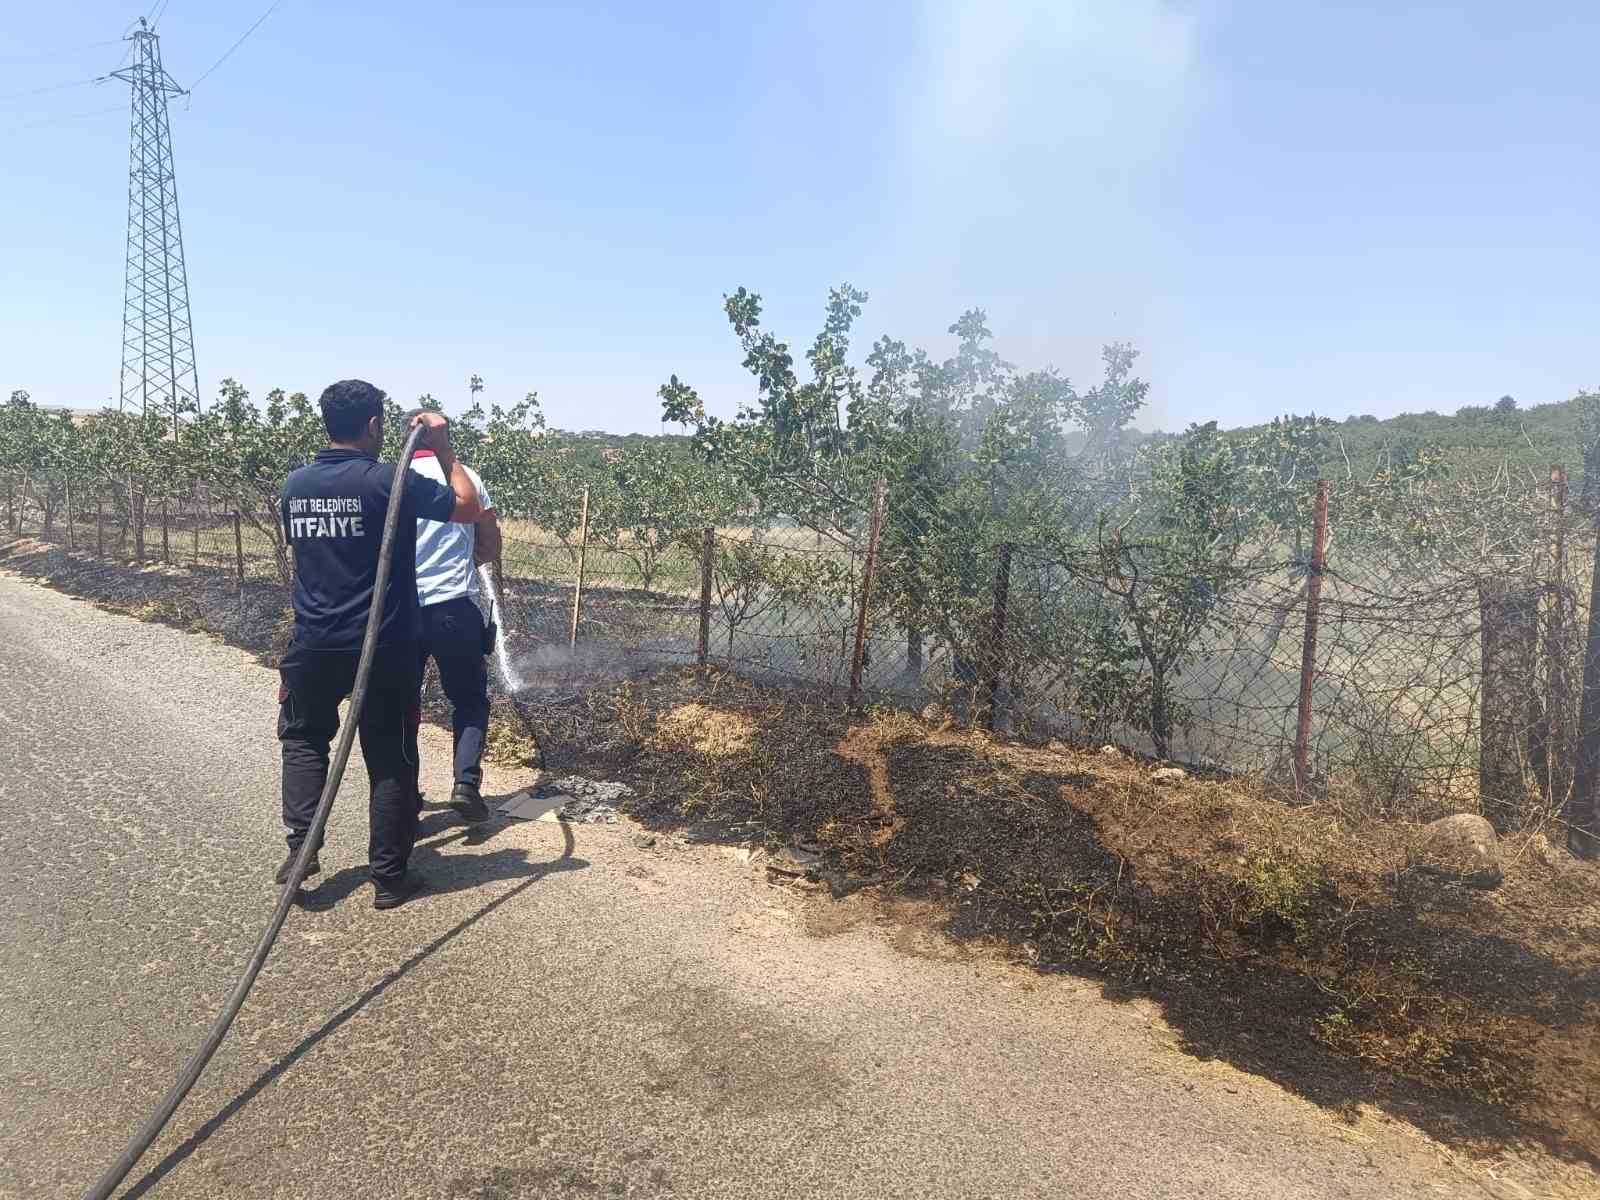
<point x="136" y="515"/>
<point x="166" y="541"/>
<point x="708" y="550"/>
<point x="994" y="668"/>
<point x="874" y="532"/>
<point x="67" y="488"/>
<point x="99" y="524"/>
<point x="1308" y="649"/>
<point x="583" y="556"/>
<point x="238" y="550"/>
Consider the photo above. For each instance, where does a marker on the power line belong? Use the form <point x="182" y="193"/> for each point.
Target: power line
<point x="59" y="51"/>
<point x="236" y="45"/>
<point x="54" y="87"/>
<point x="157" y="13"/>
<point x="64" y="117"/>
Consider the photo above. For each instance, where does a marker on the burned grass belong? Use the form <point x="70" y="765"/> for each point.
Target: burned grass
<point x="1289" y="941"/>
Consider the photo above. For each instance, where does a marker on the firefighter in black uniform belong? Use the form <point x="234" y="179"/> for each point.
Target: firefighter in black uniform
<point x="333" y="512"/>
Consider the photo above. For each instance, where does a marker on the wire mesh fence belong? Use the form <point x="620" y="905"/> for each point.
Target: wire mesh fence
<point x="1408" y="653"/>
<point x="191" y="530"/>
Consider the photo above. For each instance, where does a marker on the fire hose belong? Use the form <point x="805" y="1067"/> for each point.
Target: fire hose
<point x="152" y="1128"/>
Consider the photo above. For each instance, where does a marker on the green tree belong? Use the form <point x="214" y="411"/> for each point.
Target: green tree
<point x="1175" y="559"/>
<point x="789" y="449"/>
<point x="1106" y="411"/>
<point x="658" y="499"/>
<point x="244" y="454"/>
<point x="752" y="579"/>
<point x="975" y="454"/>
<point x="17" y="451"/>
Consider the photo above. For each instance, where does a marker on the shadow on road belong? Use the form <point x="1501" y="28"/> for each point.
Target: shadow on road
<point x="444" y="875"/>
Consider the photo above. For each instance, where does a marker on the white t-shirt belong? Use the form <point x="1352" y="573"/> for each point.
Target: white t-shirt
<point x="445" y="569"/>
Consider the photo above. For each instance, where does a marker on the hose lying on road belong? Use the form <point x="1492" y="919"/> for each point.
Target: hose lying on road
<point x="358" y="694"/>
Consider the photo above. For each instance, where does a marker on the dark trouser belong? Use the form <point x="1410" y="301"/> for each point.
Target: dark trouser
<point x="313" y="684"/>
<point x="452" y="635"/>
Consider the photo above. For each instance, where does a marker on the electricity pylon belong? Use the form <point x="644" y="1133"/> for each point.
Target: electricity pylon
<point x="158" y="370"/>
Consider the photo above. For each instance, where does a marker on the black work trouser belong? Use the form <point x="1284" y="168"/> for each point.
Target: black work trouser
<point x="452" y="635"/>
<point x="312" y="684"/>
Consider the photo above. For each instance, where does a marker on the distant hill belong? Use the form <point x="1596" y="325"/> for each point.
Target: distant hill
<point x="1474" y="438"/>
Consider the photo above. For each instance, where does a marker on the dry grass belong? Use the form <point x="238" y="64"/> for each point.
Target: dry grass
<point x="714" y="733"/>
<point x="1294" y="941"/>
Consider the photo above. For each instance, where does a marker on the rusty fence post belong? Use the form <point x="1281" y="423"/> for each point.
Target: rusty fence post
<point x="238" y="551"/>
<point x="869" y="570"/>
<point x="1308" y="648"/>
<point x="994" y="667"/>
<point x="136" y="499"/>
<point x="708" y="550"/>
<point x="583" y="558"/>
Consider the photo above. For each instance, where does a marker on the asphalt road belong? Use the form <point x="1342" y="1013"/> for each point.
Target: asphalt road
<point x="564" y="1015"/>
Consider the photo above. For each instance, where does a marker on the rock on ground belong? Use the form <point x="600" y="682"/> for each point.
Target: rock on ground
<point x="1463" y="847"/>
<point x="1554" y="858"/>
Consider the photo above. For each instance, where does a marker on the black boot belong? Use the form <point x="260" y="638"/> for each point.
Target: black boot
<point x="469" y="805"/>
<point x="313" y="867"/>
<point x="396" y="892"/>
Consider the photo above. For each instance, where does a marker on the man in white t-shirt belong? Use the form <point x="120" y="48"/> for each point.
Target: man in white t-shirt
<point x="453" y="631"/>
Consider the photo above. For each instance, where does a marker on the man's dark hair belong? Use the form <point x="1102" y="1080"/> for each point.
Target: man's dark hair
<point x="347" y="406"/>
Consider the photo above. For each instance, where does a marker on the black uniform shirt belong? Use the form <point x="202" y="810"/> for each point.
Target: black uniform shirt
<point x="333" y="512"/>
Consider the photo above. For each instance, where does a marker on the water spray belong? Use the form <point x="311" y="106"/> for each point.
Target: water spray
<point x="510" y="678"/>
<point x="497" y="614"/>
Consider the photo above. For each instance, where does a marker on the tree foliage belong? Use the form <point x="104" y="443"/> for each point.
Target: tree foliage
<point x="1122" y="548"/>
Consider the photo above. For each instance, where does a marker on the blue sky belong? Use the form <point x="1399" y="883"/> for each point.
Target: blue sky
<point x="1342" y="207"/>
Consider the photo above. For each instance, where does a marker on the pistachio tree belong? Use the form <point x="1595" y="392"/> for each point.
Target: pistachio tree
<point x="1172" y="560"/>
<point x="659" y="499"/>
<point x="244" y="453"/>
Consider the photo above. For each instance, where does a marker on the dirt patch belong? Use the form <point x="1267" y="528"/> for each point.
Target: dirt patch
<point x="867" y="753"/>
<point x="825" y="917"/>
